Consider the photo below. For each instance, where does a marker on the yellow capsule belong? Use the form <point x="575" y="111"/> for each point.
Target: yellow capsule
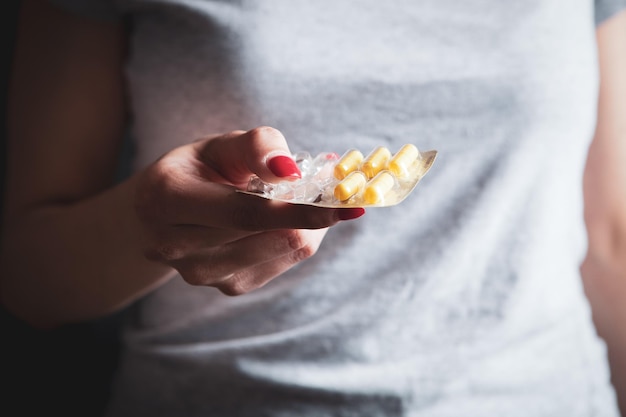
<point x="348" y="163"/>
<point x="378" y="186"/>
<point x="403" y="159"/>
<point x="375" y="161"/>
<point x="350" y="185"/>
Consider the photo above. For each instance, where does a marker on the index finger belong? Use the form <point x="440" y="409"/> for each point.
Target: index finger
<point x="236" y="156"/>
<point x="221" y="206"/>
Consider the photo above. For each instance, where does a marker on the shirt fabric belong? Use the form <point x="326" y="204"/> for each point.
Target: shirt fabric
<point x="463" y="300"/>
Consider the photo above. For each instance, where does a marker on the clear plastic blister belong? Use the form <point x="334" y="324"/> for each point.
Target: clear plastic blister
<point x="380" y="179"/>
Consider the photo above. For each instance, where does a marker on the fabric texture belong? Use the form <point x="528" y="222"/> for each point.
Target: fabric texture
<point x="607" y="8"/>
<point x="466" y="298"/>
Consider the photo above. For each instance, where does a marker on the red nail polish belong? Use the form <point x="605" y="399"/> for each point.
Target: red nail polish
<point x="350" y="213"/>
<point x="284" y="166"/>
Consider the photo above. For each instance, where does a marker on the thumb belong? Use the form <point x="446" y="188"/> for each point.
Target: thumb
<point x="237" y="155"/>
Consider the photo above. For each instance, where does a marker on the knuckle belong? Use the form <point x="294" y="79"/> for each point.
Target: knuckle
<point x="166" y="252"/>
<point x="303" y="253"/>
<point x="193" y="274"/>
<point x="234" y="287"/>
<point x="167" y="177"/>
<point x="260" y="134"/>
<point x="295" y="238"/>
<point x="207" y="269"/>
<point x="160" y="183"/>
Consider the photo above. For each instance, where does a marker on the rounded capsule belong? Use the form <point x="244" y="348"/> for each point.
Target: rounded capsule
<point x="350" y="185"/>
<point x="375" y="162"/>
<point x="378" y="186"/>
<point x="349" y="162"/>
<point x="401" y="162"/>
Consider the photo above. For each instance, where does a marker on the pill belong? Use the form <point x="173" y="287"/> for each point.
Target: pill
<point x="401" y="162"/>
<point x="350" y="185"/>
<point x="378" y="186"/>
<point x="348" y="163"/>
<point x="375" y="161"/>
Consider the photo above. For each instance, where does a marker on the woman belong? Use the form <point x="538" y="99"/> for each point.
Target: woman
<point x="466" y="296"/>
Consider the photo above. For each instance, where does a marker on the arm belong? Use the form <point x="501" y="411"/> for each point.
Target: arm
<point x="75" y="246"/>
<point x="604" y="269"/>
<point x="65" y="230"/>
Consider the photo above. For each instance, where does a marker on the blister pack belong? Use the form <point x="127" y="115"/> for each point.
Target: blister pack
<point x="380" y="179"/>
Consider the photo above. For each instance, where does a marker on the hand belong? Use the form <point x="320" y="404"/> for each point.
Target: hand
<point x="196" y="222"/>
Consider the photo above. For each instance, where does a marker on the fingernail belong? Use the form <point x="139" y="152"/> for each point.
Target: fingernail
<point x="350" y="213"/>
<point x="284" y="166"/>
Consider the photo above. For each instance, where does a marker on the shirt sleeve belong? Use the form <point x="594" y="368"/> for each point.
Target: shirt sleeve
<point x="604" y="9"/>
<point x="97" y="9"/>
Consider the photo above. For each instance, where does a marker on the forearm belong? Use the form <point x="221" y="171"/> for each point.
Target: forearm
<point x="604" y="269"/>
<point x="70" y="262"/>
<point x="605" y="284"/>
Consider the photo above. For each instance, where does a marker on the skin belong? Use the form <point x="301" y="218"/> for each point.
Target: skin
<point x="77" y="246"/>
<point x="604" y="269"/>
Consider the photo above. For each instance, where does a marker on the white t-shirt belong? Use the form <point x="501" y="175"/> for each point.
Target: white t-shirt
<point x="463" y="300"/>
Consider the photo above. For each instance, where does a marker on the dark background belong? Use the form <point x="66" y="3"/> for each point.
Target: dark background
<point x="64" y="372"/>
